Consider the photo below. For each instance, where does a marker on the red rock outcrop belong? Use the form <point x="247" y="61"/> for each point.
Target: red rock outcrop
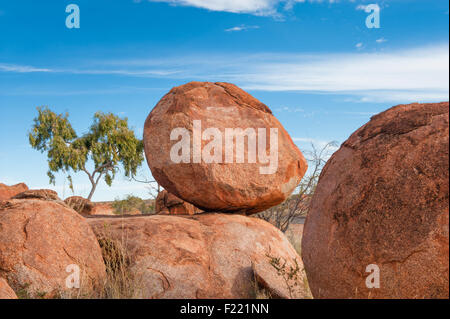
<point x="202" y="256"/>
<point x="169" y="204"/>
<point x="43" y="194"/>
<point x="211" y="175"/>
<point x="39" y="240"/>
<point x="6" y="192"/>
<point x="383" y="199"/>
<point x="5" y="290"/>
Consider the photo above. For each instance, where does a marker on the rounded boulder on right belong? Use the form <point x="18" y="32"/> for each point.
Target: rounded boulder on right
<point x="378" y="225"/>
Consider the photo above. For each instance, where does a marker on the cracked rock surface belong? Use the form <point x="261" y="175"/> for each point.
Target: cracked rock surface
<point x="383" y="199"/>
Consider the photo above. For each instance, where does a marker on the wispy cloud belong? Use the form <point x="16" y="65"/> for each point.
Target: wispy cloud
<point x="417" y="74"/>
<point x="128" y="72"/>
<point x="255" y="7"/>
<point x="361" y="7"/>
<point x="21" y="68"/>
<point x="289" y="109"/>
<point x="307" y="142"/>
<point x="241" y="28"/>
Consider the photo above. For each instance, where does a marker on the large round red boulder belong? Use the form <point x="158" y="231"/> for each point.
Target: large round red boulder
<point x="380" y="210"/>
<point x="219" y="148"/>
<point x="43" y="243"/>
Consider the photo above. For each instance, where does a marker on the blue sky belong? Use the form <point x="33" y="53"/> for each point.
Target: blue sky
<point x="314" y="63"/>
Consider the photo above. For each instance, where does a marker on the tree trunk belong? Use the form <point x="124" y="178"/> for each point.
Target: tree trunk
<point x="94" y="186"/>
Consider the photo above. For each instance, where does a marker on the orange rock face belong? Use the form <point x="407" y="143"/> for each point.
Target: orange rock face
<point x="5" y="290"/>
<point x="201" y="256"/>
<point x="383" y="199"/>
<point x="39" y="240"/>
<point x="219" y="148"/>
<point x="169" y="204"/>
<point x="6" y="192"/>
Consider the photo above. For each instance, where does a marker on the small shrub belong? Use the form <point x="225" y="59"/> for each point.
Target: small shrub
<point x="132" y="203"/>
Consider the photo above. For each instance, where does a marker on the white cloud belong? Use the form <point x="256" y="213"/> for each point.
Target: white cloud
<point x="127" y="72"/>
<point x="256" y="7"/>
<point x="241" y="28"/>
<point x="380" y="40"/>
<point x="361" y="7"/>
<point x="417" y="74"/>
<point x="259" y="7"/>
<point x="359" y="45"/>
<point x="410" y="75"/>
<point x="21" y="68"/>
<point x="289" y="109"/>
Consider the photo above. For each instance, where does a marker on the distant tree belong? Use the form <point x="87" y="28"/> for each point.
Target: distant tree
<point x="131" y="203"/>
<point x="108" y="144"/>
<point x="298" y="204"/>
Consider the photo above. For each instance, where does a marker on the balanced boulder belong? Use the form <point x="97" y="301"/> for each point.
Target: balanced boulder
<point x="219" y="148"/>
<point x="42" y="243"/>
<point x="203" y="256"/>
<point x="378" y="225"/>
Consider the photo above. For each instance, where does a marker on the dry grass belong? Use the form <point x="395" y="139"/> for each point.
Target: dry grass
<point x="120" y="283"/>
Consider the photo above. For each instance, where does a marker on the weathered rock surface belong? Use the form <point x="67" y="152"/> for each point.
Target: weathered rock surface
<point x="224" y="184"/>
<point x="43" y="194"/>
<point x="5" y="290"/>
<point x="169" y="204"/>
<point x="39" y="240"/>
<point x="383" y="199"/>
<point x="6" y="192"/>
<point x="200" y="256"/>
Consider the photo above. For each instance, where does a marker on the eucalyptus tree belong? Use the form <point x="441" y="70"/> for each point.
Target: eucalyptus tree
<point x="109" y="145"/>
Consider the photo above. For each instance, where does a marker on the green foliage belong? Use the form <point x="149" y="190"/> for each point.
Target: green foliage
<point x="132" y="203"/>
<point x="109" y="144"/>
